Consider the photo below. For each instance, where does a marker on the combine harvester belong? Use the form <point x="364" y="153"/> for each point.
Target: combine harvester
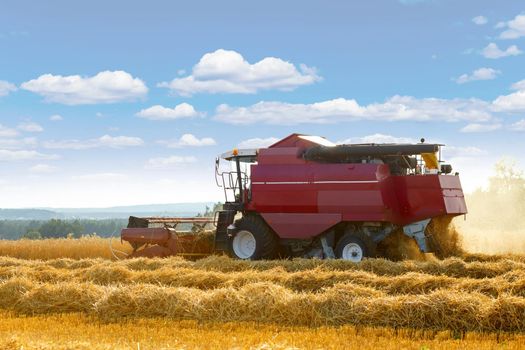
<point x="307" y="197"/>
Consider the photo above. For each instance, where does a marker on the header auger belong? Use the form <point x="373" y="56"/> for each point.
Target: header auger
<point x="306" y="197"/>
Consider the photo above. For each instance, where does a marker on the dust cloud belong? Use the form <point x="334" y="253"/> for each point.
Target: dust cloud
<point x="495" y="223"/>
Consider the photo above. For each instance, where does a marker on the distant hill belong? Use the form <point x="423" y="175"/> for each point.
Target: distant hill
<point x="172" y="209"/>
<point x="28" y="214"/>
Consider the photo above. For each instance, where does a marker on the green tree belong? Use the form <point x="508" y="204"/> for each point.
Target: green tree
<point x="32" y="234"/>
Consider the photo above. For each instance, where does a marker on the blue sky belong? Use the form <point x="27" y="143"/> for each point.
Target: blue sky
<point x="114" y="103"/>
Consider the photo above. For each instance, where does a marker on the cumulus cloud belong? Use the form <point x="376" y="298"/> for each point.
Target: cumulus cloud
<point x="520" y="85"/>
<point x="378" y="138"/>
<point x="10" y="155"/>
<point x="258" y="142"/>
<point x="492" y="51"/>
<point x="478" y="74"/>
<point x="6" y="87"/>
<point x="480" y="20"/>
<point x="518" y="126"/>
<point x="105" y="87"/>
<point x="43" y="169"/>
<point x="169" y="162"/>
<point x="14" y="143"/>
<point x="514" y="28"/>
<point x="397" y="108"/>
<point x="103" y="141"/>
<point x="225" y="71"/>
<point x="30" y="127"/>
<point x="100" y="177"/>
<point x="189" y="140"/>
<point x="56" y="118"/>
<point x="477" y="127"/>
<point x="158" y="112"/>
<point x="514" y="102"/>
<point x="455" y="151"/>
<point x="7" y="132"/>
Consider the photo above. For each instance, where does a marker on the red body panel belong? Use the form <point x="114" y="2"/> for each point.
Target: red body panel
<point x="301" y="199"/>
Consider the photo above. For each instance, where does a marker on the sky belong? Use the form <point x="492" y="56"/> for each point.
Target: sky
<point x="106" y="103"/>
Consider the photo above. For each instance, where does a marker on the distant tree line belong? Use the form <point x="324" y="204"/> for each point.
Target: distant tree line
<point x="62" y="228"/>
<point x="57" y="228"/>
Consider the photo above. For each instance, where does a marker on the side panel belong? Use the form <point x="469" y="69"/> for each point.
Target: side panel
<point x="453" y="195"/>
<point x="300" y="226"/>
<point x="427" y="196"/>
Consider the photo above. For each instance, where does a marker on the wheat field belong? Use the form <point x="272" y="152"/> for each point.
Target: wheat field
<point x="53" y="296"/>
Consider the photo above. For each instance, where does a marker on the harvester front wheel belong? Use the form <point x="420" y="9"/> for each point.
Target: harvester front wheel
<point x="352" y="248"/>
<point x="254" y="240"/>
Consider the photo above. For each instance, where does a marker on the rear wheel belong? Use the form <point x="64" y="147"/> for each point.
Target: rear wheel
<point x="254" y="240"/>
<point x="353" y="247"/>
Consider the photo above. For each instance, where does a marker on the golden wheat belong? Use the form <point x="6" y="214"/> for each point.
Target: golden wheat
<point x="511" y="283"/>
<point x="45" y="249"/>
<point x="74" y="331"/>
<point x="343" y="303"/>
<point x="477" y="293"/>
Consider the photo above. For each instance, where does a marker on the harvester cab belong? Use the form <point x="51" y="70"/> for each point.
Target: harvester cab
<point x="307" y="197"/>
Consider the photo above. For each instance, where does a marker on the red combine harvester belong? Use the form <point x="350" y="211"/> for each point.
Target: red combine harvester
<point x="304" y="196"/>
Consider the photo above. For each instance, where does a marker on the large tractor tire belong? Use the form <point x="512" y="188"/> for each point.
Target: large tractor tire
<point x="254" y="240"/>
<point x="353" y="246"/>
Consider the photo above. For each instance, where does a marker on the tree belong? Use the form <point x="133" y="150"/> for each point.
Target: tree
<point x="508" y="178"/>
<point x="32" y="234"/>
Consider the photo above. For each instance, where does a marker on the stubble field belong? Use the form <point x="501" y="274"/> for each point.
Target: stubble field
<point x="53" y="296"/>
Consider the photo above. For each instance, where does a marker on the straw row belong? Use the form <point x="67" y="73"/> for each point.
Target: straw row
<point x="266" y="302"/>
<point x="511" y="283"/>
<point x="453" y="267"/>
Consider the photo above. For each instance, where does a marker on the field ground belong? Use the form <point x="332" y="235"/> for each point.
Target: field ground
<point x="75" y="331"/>
<point x="87" y="301"/>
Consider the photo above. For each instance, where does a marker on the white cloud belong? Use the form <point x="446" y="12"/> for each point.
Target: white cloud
<point x="13" y="143"/>
<point x="225" y="71"/>
<point x="514" y="102"/>
<point x="494" y="52"/>
<point x="477" y="127"/>
<point x="455" y="151"/>
<point x="7" y="132"/>
<point x="518" y="126"/>
<point x="43" y="169"/>
<point x="56" y="118"/>
<point x="8" y="155"/>
<point x="100" y="177"/>
<point x="258" y="142"/>
<point x="396" y="108"/>
<point x="189" y="140"/>
<point x="515" y="28"/>
<point x="158" y="112"/>
<point x="378" y="138"/>
<point x="103" y="141"/>
<point x="479" y="74"/>
<point x="30" y="127"/>
<point x="169" y="162"/>
<point x="480" y="20"/>
<point x="6" y="87"/>
<point x="520" y="85"/>
<point x="105" y="87"/>
<point x="120" y="141"/>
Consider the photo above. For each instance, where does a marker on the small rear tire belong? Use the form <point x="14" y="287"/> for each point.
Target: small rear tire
<point x="254" y="240"/>
<point x="353" y="248"/>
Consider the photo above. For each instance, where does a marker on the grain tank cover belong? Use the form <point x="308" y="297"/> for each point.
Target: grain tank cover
<point x="340" y="152"/>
